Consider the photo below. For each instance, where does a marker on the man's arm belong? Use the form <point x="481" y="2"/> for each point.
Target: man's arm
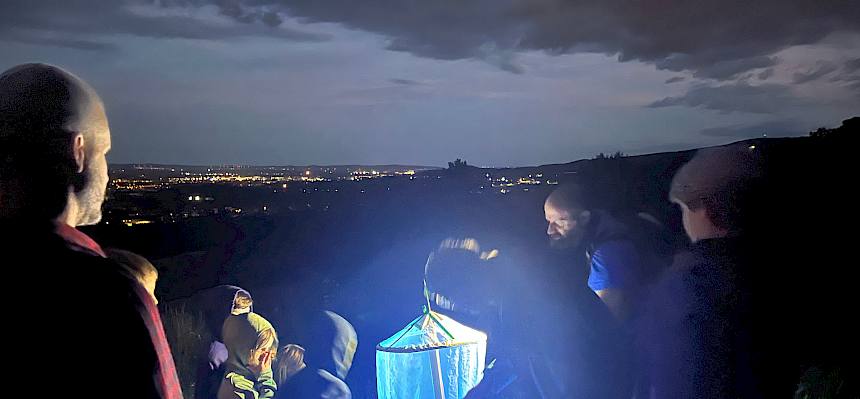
<point x="615" y="270"/>
<point x="616" y="301"/>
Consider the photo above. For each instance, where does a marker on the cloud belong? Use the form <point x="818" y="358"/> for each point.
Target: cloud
<point x="56" y="41"/>
<point x="771" y="128"/>
<point x="852" y="65"/>
<point x="714" y="39"/>
<point x="93" y="25"/>
<point x="821" y="69"/>
<point x="735" y="97"/>
<point x="764" y="75"/>
<point x="848" y="76"/>
<point x="405" y="82"/>
<point x="675" y="79"/>
<point x="722" y="70"/>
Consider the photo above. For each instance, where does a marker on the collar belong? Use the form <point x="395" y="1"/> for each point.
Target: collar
<point x="77" y="240"/>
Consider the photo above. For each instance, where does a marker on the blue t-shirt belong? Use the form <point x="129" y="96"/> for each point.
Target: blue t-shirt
<point x="614" y="264"/>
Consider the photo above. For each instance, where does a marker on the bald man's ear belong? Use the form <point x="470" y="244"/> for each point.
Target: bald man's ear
<point x="78" y="152"/>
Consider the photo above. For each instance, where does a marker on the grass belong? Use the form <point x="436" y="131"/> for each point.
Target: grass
<point x="189" y="342"/>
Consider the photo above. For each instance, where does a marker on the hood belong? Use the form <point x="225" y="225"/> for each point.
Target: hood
<point x="215" y="305"/>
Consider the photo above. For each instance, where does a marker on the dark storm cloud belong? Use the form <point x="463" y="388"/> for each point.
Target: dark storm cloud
<point x="675" y="79"/>
<point x="722" y="70"/>
<point x="735" y="97"/>
<point x="772" y="128"/>
<point x="712" y="39"/>
<point x="83" y="24"/>
<point x="820" y="70"/>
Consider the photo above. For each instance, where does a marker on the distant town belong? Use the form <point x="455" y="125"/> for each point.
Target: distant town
<point x="148" y="193"/>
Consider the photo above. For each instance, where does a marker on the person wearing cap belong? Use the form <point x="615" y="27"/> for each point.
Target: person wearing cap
<point x="697" y="335"/>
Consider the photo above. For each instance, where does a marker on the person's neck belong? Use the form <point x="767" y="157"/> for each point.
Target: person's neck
<point x="69" y="216"/>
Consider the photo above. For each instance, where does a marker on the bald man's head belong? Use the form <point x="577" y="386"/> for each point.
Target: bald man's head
<point x="567" y="215"/>
<point x="53" y="139"/>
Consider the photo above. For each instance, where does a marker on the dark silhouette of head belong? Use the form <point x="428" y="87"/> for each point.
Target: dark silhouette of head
<point x="54" y="136"/>
<point x="716" y="190"/>
<point x="567" y="211"/>
<point x="462" y="278"/>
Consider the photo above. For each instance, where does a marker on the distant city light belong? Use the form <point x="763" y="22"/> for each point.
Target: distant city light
<point x="133" y="222"/>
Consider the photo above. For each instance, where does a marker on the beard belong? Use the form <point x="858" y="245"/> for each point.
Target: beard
<point x="570" y="241"/>
<point x="90" y="200"/>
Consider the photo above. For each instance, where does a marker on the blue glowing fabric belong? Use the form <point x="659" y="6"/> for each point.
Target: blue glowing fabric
<point x="404" y="362"/>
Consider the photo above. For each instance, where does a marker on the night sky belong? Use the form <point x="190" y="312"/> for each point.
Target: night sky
<point x="495" y="82"/>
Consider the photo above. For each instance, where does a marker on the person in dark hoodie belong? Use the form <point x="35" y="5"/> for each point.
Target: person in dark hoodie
<point x="329" y="344"/>
<point x="704" y="336"/>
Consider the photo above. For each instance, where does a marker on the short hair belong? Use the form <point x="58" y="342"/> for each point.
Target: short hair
<point x="137" y="265"/>
<point x="291" y="360"/>
<point x="39" y="107"/>
<point x="267" y="342"/>
<point x="571" y="196"/>
<point x="723" y="181"/>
